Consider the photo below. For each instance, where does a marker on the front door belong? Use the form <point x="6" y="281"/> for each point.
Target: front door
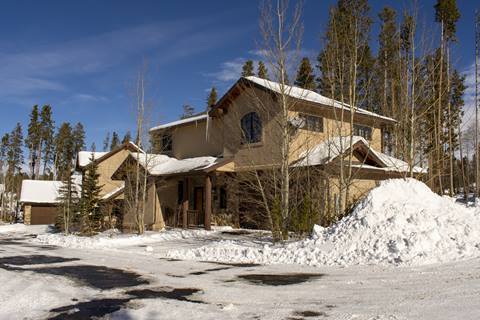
<point x="198" y="201"/>
<point x="198" y="205"/>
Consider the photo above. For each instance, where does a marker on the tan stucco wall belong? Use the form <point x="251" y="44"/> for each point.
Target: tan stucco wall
<point x="106" y="169"/>
<point x="190" y="140"/>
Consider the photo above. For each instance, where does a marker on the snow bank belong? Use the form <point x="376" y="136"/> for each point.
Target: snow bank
<point x="113" y="239"/>
<point x="22" y="228"/>
<point x="401" y="222"/>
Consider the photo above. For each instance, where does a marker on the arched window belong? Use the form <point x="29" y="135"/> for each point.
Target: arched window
<point x="252" y="128"/>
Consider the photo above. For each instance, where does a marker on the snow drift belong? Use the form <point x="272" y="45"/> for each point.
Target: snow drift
<point x="401" y="222"/>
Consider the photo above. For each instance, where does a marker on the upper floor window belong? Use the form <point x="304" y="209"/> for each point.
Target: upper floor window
<point x="167" y="142"/>
<point x="312" y="123"/>
<point x="251" y="128"/>
<point x="362" y="131"/>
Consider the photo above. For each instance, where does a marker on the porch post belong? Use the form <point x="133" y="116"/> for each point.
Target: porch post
<point x="186" y="196"/>
<point x="208" y="202"/>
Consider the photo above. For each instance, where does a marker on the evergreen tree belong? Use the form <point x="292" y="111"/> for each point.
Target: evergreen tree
<point x="78" y="136"/>
<point x="115" y="141"/>
<point x="91" y="213"/>
<point x="212" y="98"/>
<point x="446" y="12"/>
<point x="188" y="111"/>
<point x="247" y="69"/>
<point x="64" y="151"/>
<point x="262" y="71"/>
<point x="15" y="151"/>
<point x="48" y="131"/>
<point x="349" y="21"/>
<point x="68" y="203"/>
<point x="106" y="142"/>
<point x="33" y="140"/>
<point x="127" y="137"/>
<point x="305" y="77"/>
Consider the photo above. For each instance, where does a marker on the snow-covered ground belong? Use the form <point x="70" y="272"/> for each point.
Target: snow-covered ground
<point x="404" y="253"/>
<point x="401" y="222"/>
<point x="41" y="281"/>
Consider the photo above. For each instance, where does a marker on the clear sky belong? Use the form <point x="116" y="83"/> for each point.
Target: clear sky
<point x="81" y="56"/>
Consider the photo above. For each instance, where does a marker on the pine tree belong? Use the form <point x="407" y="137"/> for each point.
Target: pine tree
<point x="48" y="130"/>
<point x="212" y="98"/>
<point x="106" y="142"/>
<point x="33" y="140"/>
<point x="305" y="77"/>
<point x="91" y="213"/>
<point x="115" y="141"/>
<point x="188" y="111"/>
<point x="247" y="69"/>
<point x="262" y="71"/>
<point x="64" y="151"/>
<point x="68" y="203"/>
<point x="127" y="137"/>
<point x="78" y="136"/>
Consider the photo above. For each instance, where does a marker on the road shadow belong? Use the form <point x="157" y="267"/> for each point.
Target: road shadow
<point x="284" y="279"/>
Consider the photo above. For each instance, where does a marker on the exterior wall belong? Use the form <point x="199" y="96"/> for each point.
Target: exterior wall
<point x="268" y="151"/>
<point x="189" y="140"/>
<point x="27" y="214"/>
<point x="106" y="169"/>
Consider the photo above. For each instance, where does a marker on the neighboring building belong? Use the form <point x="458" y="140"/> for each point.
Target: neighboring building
<point x="39" y="200"/>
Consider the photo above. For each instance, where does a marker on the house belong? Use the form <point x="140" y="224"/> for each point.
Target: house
<point x="113" y="190"/>
<point x="193" y="175"/>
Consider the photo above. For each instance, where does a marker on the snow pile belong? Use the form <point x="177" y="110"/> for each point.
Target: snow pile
<point x="115" y="239"/>
<point x="401" y="222"/>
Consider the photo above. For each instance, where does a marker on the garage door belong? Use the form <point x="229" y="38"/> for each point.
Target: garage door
<point x="43" y="215"/>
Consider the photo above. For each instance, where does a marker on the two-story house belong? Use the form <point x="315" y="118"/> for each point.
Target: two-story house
<point x="242" y="132"/>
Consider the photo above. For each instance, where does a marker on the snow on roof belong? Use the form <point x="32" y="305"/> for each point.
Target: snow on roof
<point x="158" y="164"/>
<point x="85" y="156"/>
<point x="331" y="148"/>
<point x="199" y="117"/>
<point x="308" y="95"/>
<point x="38" y="191"/>
<point x="327" y="150"/>
<point x="44" y="191"/>
<point x="114" y="191"/>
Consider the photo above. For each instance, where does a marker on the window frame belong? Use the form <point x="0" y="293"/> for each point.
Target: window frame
<point x="307" y="125"/>
<point x="251" y="134"/>
<point x="363" y="131"/>
<point x="167" y="147"/>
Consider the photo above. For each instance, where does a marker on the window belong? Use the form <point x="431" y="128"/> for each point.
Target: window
<point x="223" y="198"/>
<point x="362" y="131"/>
<point x="387" y="142"/>
<point x="252" y="128"/>
<point x="167" y="142"/>
<point x="312" y="123"/>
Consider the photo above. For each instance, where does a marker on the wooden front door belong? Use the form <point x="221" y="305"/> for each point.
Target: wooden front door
<point x="198" y="200"/>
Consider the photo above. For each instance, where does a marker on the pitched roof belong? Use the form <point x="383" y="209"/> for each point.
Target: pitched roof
<point x="302" y="94"/>
<point x="200" y="117"/>
<point x="43" y="191"/>
<point x="329" y="149"/>
<point x="84" y="157"/>
<point x="158" y="164"/>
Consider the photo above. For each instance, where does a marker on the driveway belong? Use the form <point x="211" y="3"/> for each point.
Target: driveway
<point x="42" y="281"/>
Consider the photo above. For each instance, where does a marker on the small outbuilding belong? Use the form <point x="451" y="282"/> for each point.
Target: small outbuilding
<point x="38" y="200"/>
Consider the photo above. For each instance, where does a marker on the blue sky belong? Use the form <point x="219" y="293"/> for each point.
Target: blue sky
<point x="81" y="56"/>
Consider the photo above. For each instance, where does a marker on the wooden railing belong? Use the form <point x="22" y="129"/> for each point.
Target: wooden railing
<point x="195" y="217"/>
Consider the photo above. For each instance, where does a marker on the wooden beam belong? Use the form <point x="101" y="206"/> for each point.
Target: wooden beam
<point x="186" y="196"/>
<point x="208" y="202"/>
